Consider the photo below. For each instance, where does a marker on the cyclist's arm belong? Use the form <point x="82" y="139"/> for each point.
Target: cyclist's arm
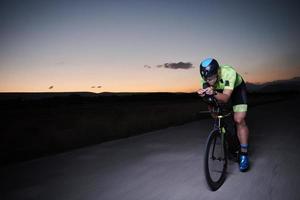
<point x="225" y="96"/>
<point x="229" y="79"/>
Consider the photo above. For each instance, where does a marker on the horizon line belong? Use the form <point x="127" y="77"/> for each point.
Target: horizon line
<point x="187" y="91"/>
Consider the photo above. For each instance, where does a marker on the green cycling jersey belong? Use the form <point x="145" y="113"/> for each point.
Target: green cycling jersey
<point x="228" y="78"/>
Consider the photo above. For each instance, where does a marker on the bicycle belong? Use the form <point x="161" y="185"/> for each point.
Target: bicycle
<point x="222" y="144"/>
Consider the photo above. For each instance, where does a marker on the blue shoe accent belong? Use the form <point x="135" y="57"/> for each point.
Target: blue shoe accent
<point x="244" y="163"/>
<point x="244" y="146"/>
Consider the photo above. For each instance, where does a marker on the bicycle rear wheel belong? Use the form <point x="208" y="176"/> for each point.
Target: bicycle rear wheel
<point x="215" y="160"/>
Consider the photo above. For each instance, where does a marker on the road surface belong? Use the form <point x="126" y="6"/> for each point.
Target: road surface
<point x="167" y="165"/>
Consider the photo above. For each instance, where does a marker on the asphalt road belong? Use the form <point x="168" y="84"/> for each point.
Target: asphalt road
<point x="167" y="165"/>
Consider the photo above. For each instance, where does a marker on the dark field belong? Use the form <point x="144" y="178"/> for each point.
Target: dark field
<point x="35" y="127"/>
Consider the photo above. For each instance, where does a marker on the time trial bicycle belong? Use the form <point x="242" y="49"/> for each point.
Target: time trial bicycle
<point x="222" y="143"/>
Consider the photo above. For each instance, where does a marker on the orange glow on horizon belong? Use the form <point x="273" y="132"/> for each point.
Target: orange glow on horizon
<point x="167" y="85"/>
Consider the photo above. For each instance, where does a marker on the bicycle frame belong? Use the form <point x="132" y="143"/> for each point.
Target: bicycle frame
<point x="220" y="115"/>
<point x="217" y="144"/>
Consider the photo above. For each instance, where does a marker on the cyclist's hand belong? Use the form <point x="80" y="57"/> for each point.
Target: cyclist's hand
<point x="202" y="92"/>
<point x="209" y="91"/>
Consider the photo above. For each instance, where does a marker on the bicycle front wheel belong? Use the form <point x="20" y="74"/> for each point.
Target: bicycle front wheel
<point x="215" y="160"/>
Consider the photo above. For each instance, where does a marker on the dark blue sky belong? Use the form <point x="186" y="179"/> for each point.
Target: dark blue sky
<point x="74" y="45"/>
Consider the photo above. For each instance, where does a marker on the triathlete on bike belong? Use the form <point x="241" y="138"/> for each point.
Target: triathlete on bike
<point x="226" y="84"/>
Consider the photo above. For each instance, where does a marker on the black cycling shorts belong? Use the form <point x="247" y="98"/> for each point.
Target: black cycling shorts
<point x="239" y="98"/>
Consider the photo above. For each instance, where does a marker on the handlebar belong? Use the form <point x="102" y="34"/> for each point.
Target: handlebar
<point x="217" y="107"/>
<point x="209" y="99"/>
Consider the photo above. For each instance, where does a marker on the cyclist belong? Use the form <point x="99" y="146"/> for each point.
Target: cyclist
<point x="226" y="84"/>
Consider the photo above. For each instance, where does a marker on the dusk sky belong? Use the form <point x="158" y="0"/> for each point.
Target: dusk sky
<point x="142" y="46"/>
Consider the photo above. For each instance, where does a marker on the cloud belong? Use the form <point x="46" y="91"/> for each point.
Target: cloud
<point x="99" y="86"/>
<point x="51" y="87"/>
<point x="179" y="65"/>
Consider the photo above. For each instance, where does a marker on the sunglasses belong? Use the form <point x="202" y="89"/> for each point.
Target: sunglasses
<point x="211" y="78"/>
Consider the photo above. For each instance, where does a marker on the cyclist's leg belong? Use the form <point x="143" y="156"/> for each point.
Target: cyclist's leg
<point x="243" y="135"/>
<point x="239" y="101"/>
<point x="242" y="129"/>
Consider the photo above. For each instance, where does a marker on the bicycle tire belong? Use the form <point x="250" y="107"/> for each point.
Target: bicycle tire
<point x="215" y="142"/>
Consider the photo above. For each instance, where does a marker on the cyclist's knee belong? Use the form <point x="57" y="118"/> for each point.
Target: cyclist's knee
<point x="240" y="121"/>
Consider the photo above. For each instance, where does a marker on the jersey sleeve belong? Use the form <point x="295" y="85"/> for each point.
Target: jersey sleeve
<point x="229" y="78"/>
